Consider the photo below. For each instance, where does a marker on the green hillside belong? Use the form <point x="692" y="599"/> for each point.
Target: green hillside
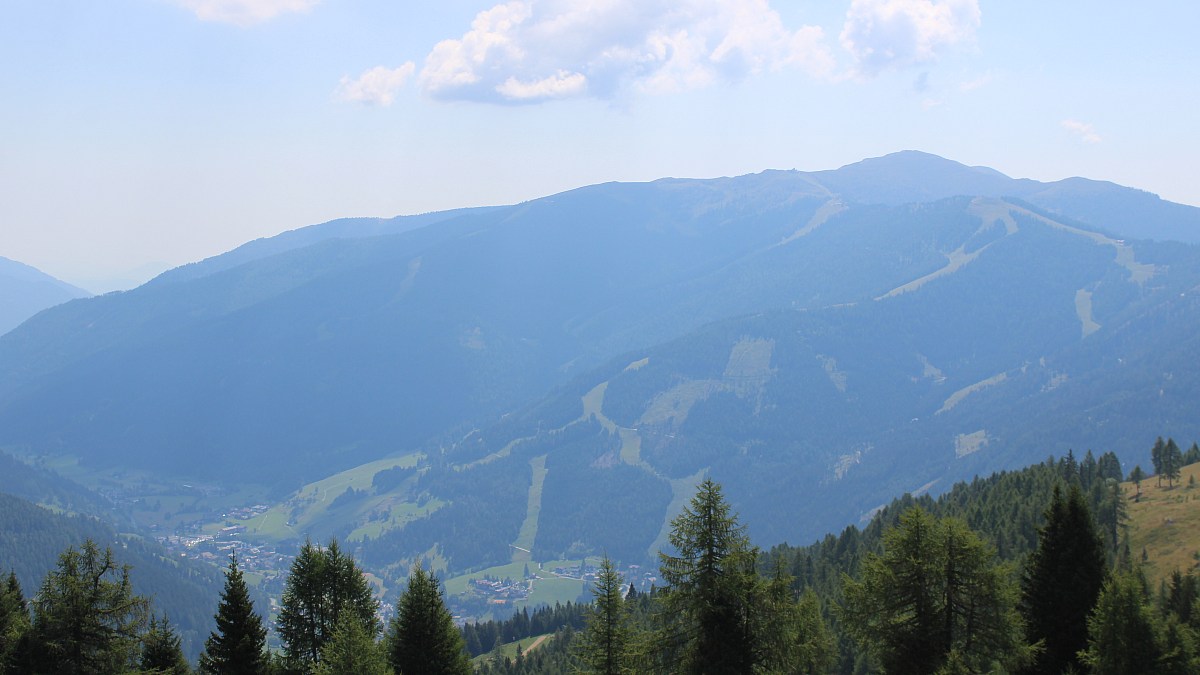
<point x="1164" y="523"/>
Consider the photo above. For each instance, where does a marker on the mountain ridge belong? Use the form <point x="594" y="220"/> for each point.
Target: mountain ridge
<point x="819" y="340"/>
<point x="26" y="290"/>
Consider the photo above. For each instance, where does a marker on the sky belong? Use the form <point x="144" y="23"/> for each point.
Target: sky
<point x="144" y="134"/>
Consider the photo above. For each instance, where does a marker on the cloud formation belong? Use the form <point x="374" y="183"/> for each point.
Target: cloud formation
<point x="377" y="86"/>
<point x="527" y="51"/>
<point x="244" y="12"/>
<point x="1085" y="132"/>
<point x="886" y="35"/>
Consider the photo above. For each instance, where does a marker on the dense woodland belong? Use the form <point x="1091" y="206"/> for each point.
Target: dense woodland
<point x="1025" y="571"/>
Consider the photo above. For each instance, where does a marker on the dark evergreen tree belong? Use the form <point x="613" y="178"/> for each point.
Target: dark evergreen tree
<point x="1137" y="476"/>
<point x="935" y="598"/>
<point x="161" y="650"/>
<point x="1181" y="596"/>
<point x="1192" y="455"/>
<point x="1109" y="467"/>
<point x="1061" y="582"/>
<point x="14" y="626"/>
<point x="1156" y="458"/>
<point x="238" y="646"/>
<point x="1172" y="460"/>
<point x="605" y="643"/>
<point x="86" y="616"/>
<point x="323" y="584"/>
<point x="422" y="637"/>
<point x="710" y="605"/>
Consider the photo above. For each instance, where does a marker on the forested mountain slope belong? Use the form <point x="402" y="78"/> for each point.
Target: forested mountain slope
<point x="32" y="538"/>
<point x="822" y="414"/>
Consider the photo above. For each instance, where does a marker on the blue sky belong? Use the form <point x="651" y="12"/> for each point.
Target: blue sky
<point x="157" y="132"/>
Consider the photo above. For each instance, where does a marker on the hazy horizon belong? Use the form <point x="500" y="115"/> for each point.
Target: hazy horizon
<point x="158" y="132"/>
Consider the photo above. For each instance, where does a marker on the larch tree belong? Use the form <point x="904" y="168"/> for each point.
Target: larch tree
<point x="1136" y="477"/>
<point x="1121" y="631"/>
<point x="935" y="599"/>
<point x="86" y="616"/>
<point x="711" y="601"/>
<point x="1172" y="461"/>
<point x="323" y="583"/>
<point x="422" y="638"/>
<point x="604" y="645"/>
<point x="793" y="636"/>
<point x="352" y="649"/>
<point x="239" y="645"/>
<point x="1156" y="458"/>
<point x="1061" y="581"/>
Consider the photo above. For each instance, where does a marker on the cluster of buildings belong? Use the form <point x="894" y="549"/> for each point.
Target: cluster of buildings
<point x="216" y="548"/>
<point x="642" y="581"/>
<point x="502" y="591"/>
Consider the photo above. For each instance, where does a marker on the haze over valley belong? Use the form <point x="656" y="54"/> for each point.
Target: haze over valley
<point x="835" y="274"/>
<point x="550" y="380"/>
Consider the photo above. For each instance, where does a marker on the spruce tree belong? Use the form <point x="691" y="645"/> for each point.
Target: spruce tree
<point x="1182" y="593"/>
<point x="14" y="625"/>
<point x="1061" y="582"/>
<point x="604" y="645"/>
<point x="422" y="637"/>
<point x="161" y="651"/>
<point x="1192" y="455"/>
<point x="238" y="646"/>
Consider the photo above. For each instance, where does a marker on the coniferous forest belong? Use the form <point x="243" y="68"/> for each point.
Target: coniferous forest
<point x="1025" y="571"/>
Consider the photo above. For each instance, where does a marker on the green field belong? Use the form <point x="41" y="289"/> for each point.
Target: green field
<point x="509" y="650"/>
<point x="398" y="514"/>
<point x="547" y="588"/>
<point x="310" y="503"/>
<point x="522" y="549"/>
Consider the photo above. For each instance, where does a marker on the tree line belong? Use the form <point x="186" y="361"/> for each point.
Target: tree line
<point x="1022" y="572"/>
<point x="924" y="589"/>
<point x="86" y="619"/>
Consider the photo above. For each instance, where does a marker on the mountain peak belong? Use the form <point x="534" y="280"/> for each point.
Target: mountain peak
<point x="911" y="175"/>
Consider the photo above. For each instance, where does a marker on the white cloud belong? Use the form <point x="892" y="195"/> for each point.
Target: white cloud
<point x="559" y="85"/>
<point x="1085" y="132"/>
<point x="377" y="86"/>
<point x="891" y="34"/>
<point x="244" y="12"/>
<point x="533" y="50"/>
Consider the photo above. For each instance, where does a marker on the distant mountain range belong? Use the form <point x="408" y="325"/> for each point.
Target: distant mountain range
<point x="568" y="367"/>
<point x="25" y="291"/>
